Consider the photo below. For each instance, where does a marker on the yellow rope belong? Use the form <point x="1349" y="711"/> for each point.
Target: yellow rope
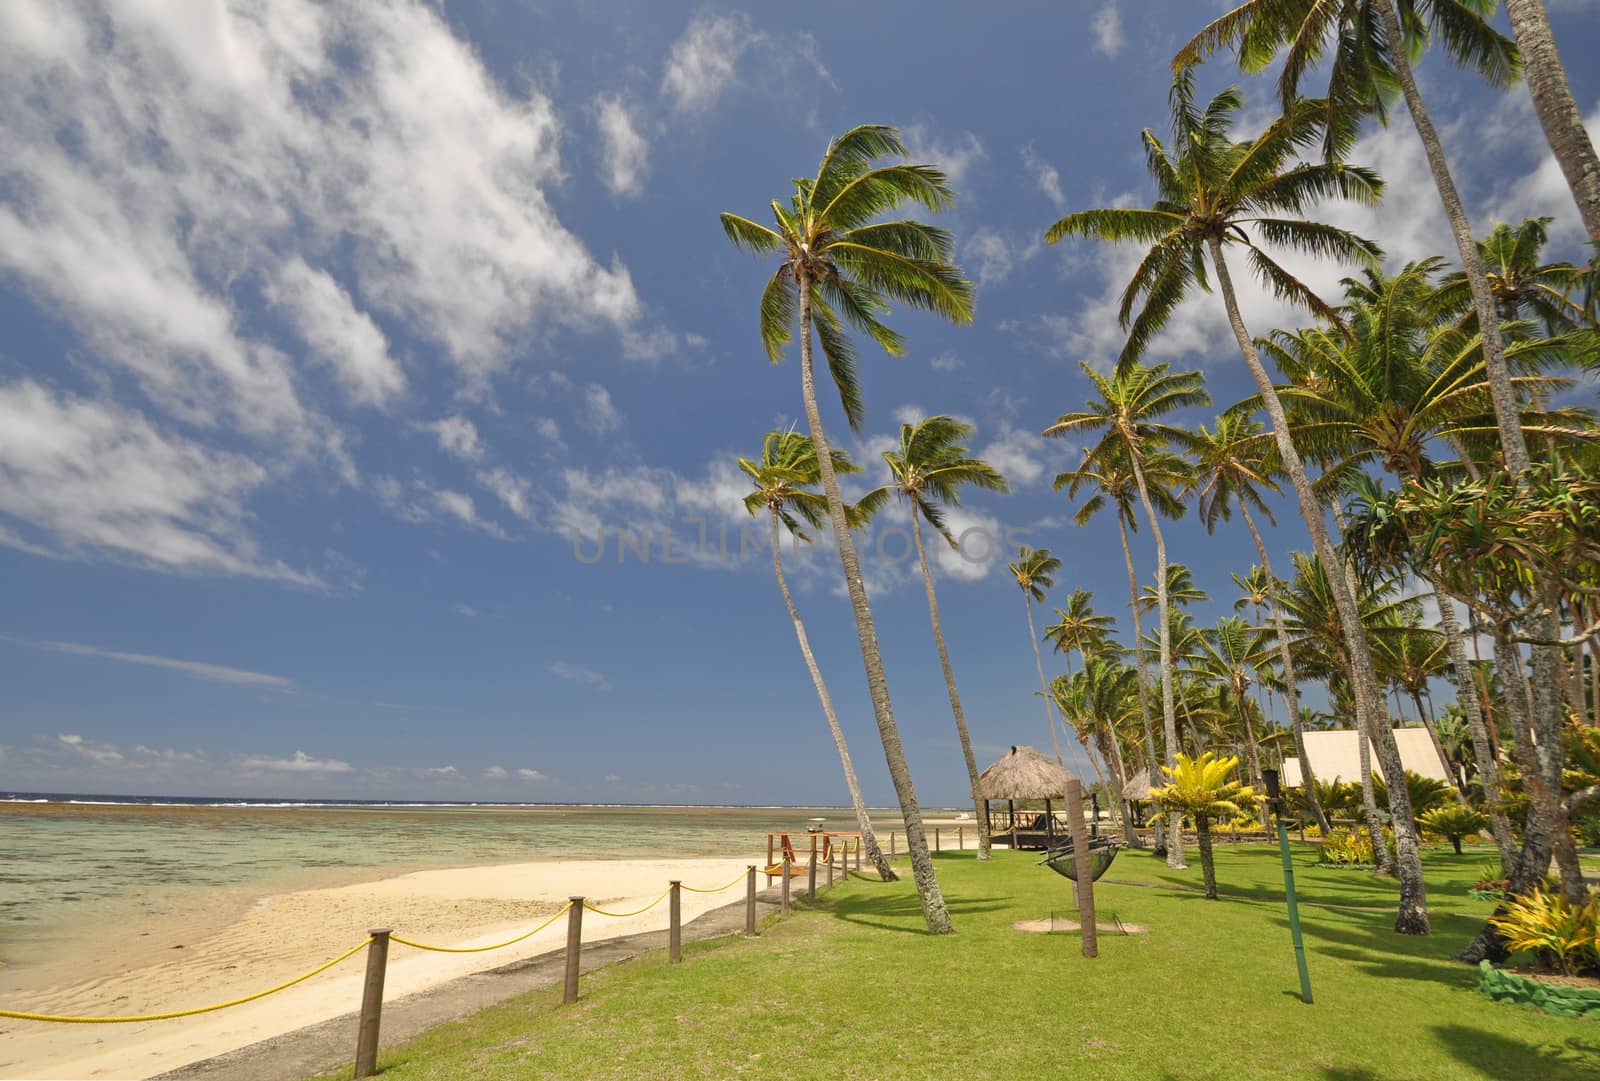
<point x="483" y="949"/>
<point x="635" y="912"/>
<point x="719" y="889"/>
<point x="20" y="1016"/>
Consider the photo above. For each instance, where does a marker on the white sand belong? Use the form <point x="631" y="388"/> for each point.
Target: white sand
<point x="287" y="934"/>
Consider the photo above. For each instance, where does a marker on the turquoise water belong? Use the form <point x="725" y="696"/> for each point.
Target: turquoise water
<point x="69" y="863"/>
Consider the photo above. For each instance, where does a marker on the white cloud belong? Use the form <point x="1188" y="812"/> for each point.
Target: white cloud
<point x="343" y="339"/>
<point x="104" y="754"/>
<point x="624" y="152"/>
<point x="91" y="479"/>
<point x="702" y="64"/>
<point x="1017" y="454"/>
<point x="648" y="343"/>
<point x="462" y="609"/>
<point x="956" y="155"/>
<point x="613" y="778"/>
<point x="549" y="431"/>
<point x="421" y="502"/>
<point x="1046" y="176"/>
<point x="299" y="762"/>
<point x="599" y="414"/>
<point x="458" y="437"/>
<point x="215" y="673"/>
<point x="989" y="255"/>
<point x="531" y="775"/>
<point x="496" y="773"/>
<point x="1107" y="28"/>
<point x="514" y="491"/>
<point x="945" y="362"/>
<point x="575" y="674"/>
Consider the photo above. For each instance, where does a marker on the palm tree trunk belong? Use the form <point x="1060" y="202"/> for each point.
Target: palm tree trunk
<point x="950" y="688"/>
<point x="1038" y="661"/>
<point x="1169" y="713"/>
<point x="1253" y="757"/>
<point x="869" y="837"/>
<point x="1482" y="751"/>
<point x="1139" y="663"/>
<point x="1291" y="692"/>
<point x="1558" y="111"/>
<point x="1208" y="870"/>
<point x="1112" y="753"/>
<point x="894" y="754"/>
<point x="1412" y="917"/>
<point x="1369" y="806"/>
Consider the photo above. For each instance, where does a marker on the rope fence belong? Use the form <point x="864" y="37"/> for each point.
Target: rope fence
<point x="377" y="943"/>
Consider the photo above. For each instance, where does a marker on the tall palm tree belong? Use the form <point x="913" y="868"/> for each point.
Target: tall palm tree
<point x="1094" y="701"/>
<point x="1078" y="627"/>
<point x="1233" y="466"/>
<point x="1558" y="110"/>
<point x="1212" y="191"/>
<point x="1035" y="569"/>
<point x="839" y="265"/>
<point x="785" y="479"/>
<point x="1233" y="652"/>
<point x="930" y="468"/>
<point x="1114" y="487"/>
<point x="1522" y="285"/>
<point x="1181" y="590"/>
<point x="1127" y="417"/>
<point x="1409" y="659"/>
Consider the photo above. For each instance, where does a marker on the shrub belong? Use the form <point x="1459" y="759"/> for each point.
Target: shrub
<point x="1454" y="822"/>
<point x="1541" y="921"/>
<point x="1346" y="848"/>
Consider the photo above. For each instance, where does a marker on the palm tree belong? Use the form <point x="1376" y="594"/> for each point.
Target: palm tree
<point x="784" y="478"/>
<point x="1558" y="110"/>
<point x="1372" y="43"/>
<point x="1409" y="658"/>
<point x="1205" y="787"/>
<point x="930" y="468"/>
<point x="1387" y="386"/>
<point x="1127" y="417"/>
<point x="1181" y="590"/>
<point x="1233" y="651"/>
<point x="1094" y="701"/>
<point x="1233" y="466"/>
<point x="1078" y="627"/>
<point x="1522" y="286"/>
<point x="1210" y="189"/>
<point x="840" y="264"/>
<point x="1034" y="570"/>
<point x="1116" y="488"/>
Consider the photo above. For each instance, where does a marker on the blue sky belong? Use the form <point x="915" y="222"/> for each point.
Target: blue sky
<point x="324" y="330"/>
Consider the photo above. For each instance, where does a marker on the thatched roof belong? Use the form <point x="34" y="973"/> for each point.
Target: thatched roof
<point x="1138" y="786"/>
<point x="1023" y="773"/>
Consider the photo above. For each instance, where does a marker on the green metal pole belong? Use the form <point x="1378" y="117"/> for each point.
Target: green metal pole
<point x="1271" y="777"/>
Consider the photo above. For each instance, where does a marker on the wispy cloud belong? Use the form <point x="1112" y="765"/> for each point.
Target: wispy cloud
<point x="576" y="674"/>
<point x="703" y="62"/>
<point x="299" y="762"/>
<point x="214" y="673"/>
<point x="1107" y="28"/>
<point x="625" y="153"/>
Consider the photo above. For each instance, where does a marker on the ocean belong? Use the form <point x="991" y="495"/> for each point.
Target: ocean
<point x="75" y="862"/>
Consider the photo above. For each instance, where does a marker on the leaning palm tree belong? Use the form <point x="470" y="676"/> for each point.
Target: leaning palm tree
<point x="839" y="266"/>
<point x="1114" y="487"/>
<point x="1216" y="193"/>
<point x="785" y="479"/>
<point x="1558" y="110"/>
<point x="1127" y="416"/>
<point x="1034" y="570"/>
<point x="930" y="468"/>
<point x="1233" y="466"/>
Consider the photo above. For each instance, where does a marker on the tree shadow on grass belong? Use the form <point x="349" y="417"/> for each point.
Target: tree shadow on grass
<point x="1573" y="1058"/>
<point x="1373" y="945"/>
<point x="878" y="910"/>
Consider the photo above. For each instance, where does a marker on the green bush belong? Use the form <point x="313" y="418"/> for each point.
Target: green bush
<point x="1346" y="848"/>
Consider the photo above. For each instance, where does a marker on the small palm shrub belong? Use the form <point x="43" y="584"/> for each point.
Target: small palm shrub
<point x="1453" y="822"/>
<point x="1426" y="792"/>
<point x="1543" y="922"/>
<point x="1346" y="848"/>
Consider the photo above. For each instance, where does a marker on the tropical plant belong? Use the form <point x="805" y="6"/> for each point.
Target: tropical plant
<point x="1205" y="787"/>
<point x="1233" y="654"/>
<point x="1093" y="702"/>
<point x="1453" y="822"/>
<point x="1346" y="848"/>
<point x="930" y="467"/>
<point x="1127" y="417"/>
<point x="1214" y="193"/>
<point x="1522" y="286"/>
<point x="839" y="265"/>
<point x="1034" y="570"/>
<point x="1543" y="921"/>
<point x="785" y="479"/>
<point x="1426" y="793"/>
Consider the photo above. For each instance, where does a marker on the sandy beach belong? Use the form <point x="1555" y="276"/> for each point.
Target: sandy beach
<point x="228" y="953"/>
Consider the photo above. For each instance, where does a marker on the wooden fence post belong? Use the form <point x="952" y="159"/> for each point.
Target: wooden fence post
<point x="372" y="1004"/>
<point x="961" y="838"/>
<point x="831" y="857"/>
<point x="675" y="921"/>
<point x="785" y="885"/>
<point x="750" y="902"/>
<point x="892" y="852"/>
<point x="938" y="845"/>
<point x="858" y="855"/>
<point x="569" y="990"/>
<point x="811" y="877"/>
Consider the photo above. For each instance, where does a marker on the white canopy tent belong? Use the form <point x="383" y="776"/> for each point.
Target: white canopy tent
<point x="1337" y="756"/>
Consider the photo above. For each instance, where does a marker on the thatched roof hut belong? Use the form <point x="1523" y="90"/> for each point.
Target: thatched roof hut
<point x="1138" y="786"/>
<point x="1023" y="773"/>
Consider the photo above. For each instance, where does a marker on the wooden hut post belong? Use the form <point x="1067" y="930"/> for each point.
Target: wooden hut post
<point x="811" y="874"/>
<point x="1011" y="809"/>
<point x="1050" y="824"/>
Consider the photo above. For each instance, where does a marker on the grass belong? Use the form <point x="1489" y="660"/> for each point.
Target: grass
<point x="853" y="988"/>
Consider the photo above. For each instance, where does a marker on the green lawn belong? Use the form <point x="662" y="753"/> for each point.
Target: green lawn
<point x="853" y="989"/>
